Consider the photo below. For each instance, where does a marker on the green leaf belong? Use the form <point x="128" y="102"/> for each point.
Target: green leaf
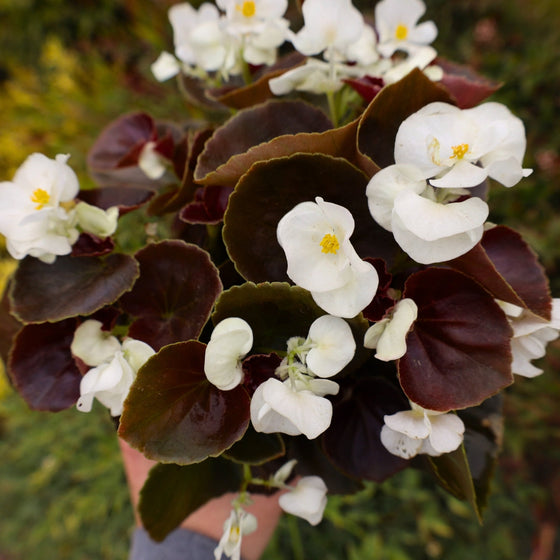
<point x="173" y="414"/>
<point x="173" y="492"/>
<point x="394" y="103"/>
<point x="270" y="189"/>
<point x="458" y="352"/>
<point x="174" y="295"/>
<point x="453" y="473"/>
<point x="70" y="286"/>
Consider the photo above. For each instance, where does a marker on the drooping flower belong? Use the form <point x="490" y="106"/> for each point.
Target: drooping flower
<point x="115" y="368"/>
<point x="293" y="407"/>
<point x="229" y="343"/>
<point x="531" y="334"/>
<point x="388" y="336"/>
<point x="396" y="22"/>
<point x="430" y="225"/>
<point x="410" y="432"/>
<point x="457" y="148"/>
<point x="307" y="499"/>
<point x="236" y="526"/>
<point x="315" y="237"/>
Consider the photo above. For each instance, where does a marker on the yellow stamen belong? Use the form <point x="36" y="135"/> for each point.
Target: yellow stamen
<point x="40" y="197"/>
<point x="330" y="244"/>
<point x="401" y="32"/>
<point x="459" y="151"/>
<point x="247" y="9"/>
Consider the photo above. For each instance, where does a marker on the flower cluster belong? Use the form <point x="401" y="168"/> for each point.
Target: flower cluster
<point x="322" y="270"/>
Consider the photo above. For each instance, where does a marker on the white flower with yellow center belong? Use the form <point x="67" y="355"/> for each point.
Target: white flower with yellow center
<point x="229" y="343"/>
<point x="430" y="225"/>
<point x="315" y="237"/>
<point x="115" y="368"/>
<point x="410" y="432"/>
<point x="33" y="214"/>
<point x="396" y="22"/>
<point x="457" y="148"/>
<point x="237" y="525"/>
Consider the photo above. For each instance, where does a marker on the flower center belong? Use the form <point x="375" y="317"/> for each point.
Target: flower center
<point x="401" y="32"/>
<point x="40" y="197"/>
<point x="330" y="244"/>
<point x="247" y="9"/>
<point x="459" y="151"/>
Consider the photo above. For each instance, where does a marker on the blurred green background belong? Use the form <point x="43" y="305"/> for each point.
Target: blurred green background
<point x="67" y="69"/>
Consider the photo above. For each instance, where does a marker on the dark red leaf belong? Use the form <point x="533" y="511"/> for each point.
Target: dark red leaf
<point x="173" y="414"/>
<point x="70" y="286"/>
<point x="174" y="295"/>
<point x="458" y="353"/>
<point x="42" y="368"/>
<point x="352" y="441"/>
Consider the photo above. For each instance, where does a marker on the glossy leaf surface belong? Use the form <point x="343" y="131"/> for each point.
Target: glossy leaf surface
<point x="173" y="414"/>
<point x="173" y="298"/>
<point x="458" y="353"/>
<point x="42" y="368"/>
<point x="272" y="188"/>
<point x="87" y="284"/>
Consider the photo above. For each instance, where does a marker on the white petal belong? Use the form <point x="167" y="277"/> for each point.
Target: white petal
<point x="351" y="298"/>
<point x="136" y="353"/>
<point x="93" y="345"/>
<point x="431" y="220"/>
<point x="411" y="423"/>
<point x="399" y="444"/>
<point x="307" y="500"/>
<point x="462" y="175"/>
<point x="165" y="67"/>
<point x="97" y="221"/>
<point x="447" y="432"/>
<point x="334" y="346"/>
<point x="392" y="342"/>
<point x="384" y="187"/>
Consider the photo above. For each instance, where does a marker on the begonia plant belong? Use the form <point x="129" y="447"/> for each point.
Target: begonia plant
<point x="314" y="287"/>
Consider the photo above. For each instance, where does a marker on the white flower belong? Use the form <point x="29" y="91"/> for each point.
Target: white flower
<point x="531" y="334"/>
<point x="307" y="499"/>
<point x="97" y="221"/>
<point x="429" y="225"/>
<point x="238" y="524"/>
<point x="332" y="25"/>
<point x="151" y="162"/>
<point x="410" y="432"/>
<point x="293" y="407"/>
<point x="32" y="214"/>
<point x="396" y="23"/>
<point x="332" y="346"/>
<point x="201" y="42"/>
<point x="461" y="148"/>
<point x="315" y="237"/>
<point x="116" y="366"/>
<point x="388" y="336"/>
<point x="229" y="343"/>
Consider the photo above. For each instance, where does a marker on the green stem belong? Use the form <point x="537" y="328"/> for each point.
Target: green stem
<point x="295" y="538"/>
<point x="332" y="107"/>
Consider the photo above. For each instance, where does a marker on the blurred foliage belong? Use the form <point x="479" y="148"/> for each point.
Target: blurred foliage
<point x="67" y="69"/>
